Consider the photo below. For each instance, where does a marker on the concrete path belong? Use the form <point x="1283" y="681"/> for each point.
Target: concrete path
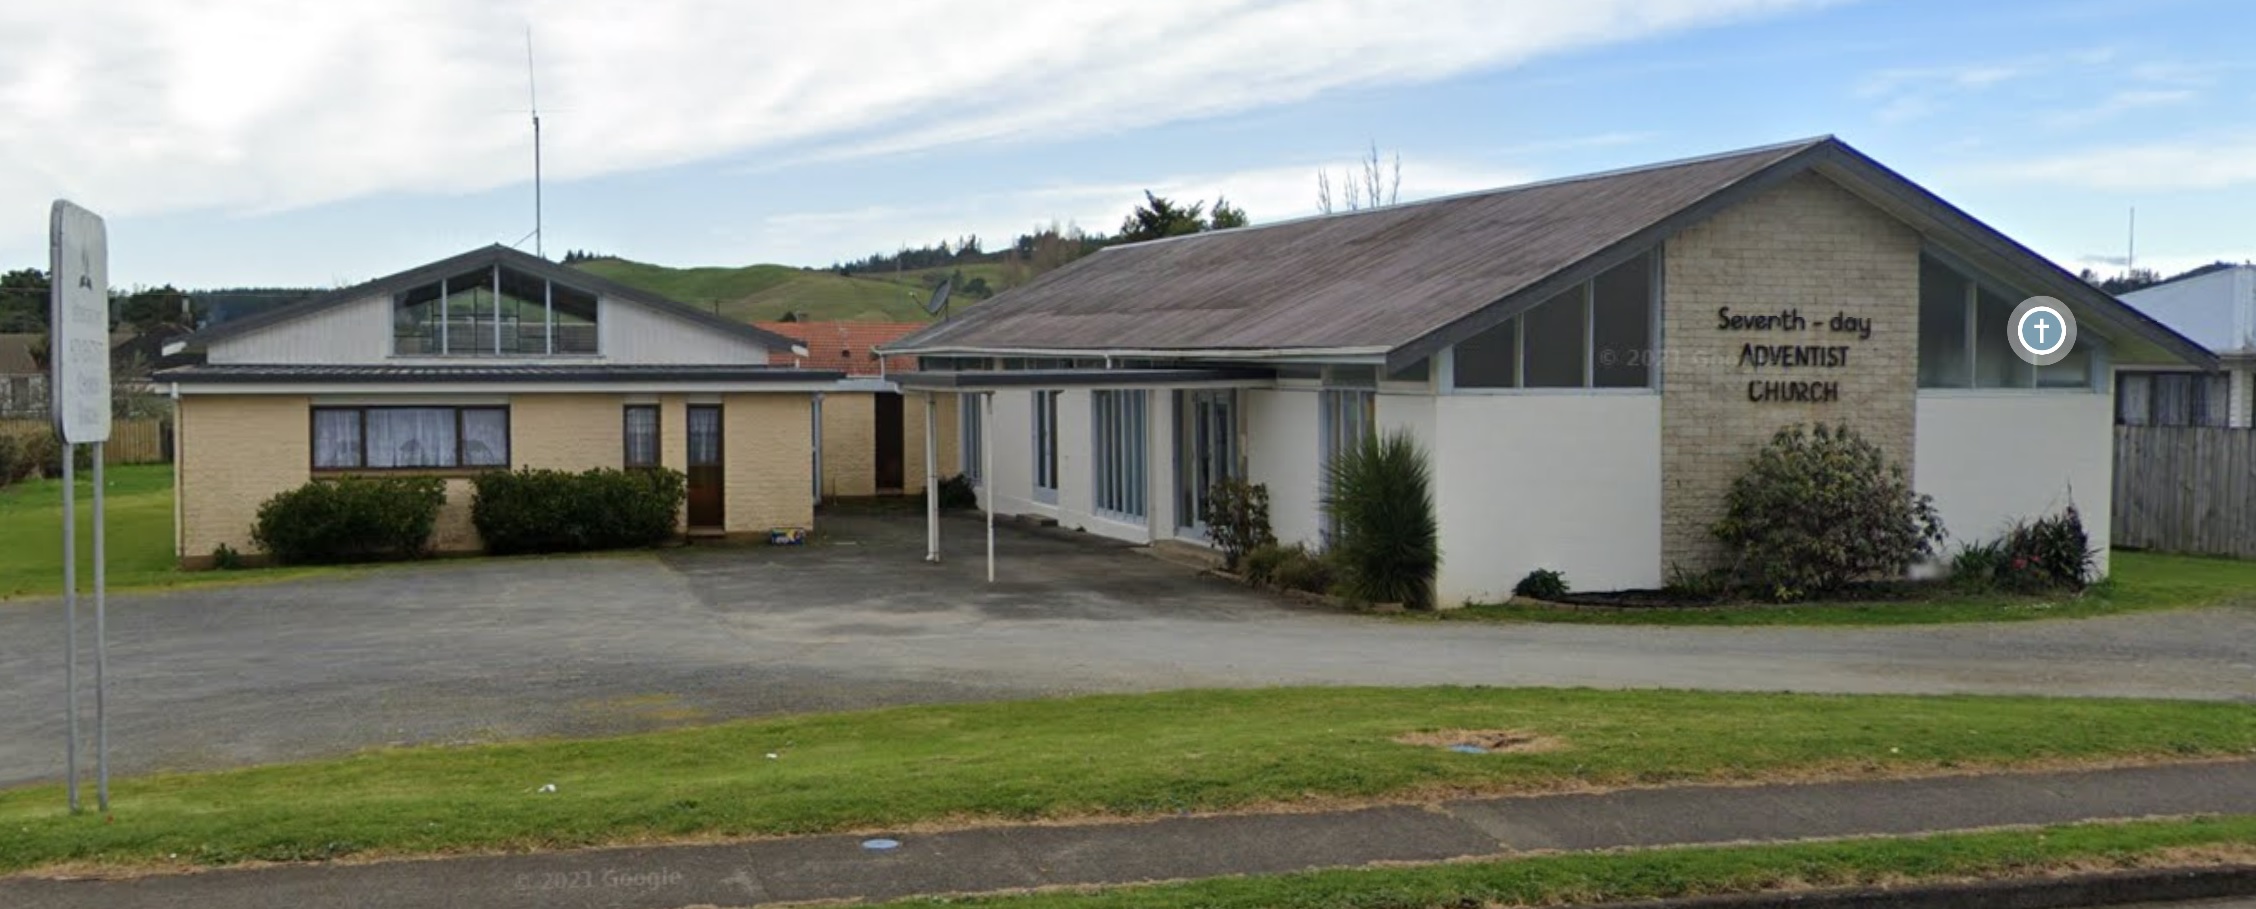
<point x="475" y="651"/>
<point x="842" y="868"/>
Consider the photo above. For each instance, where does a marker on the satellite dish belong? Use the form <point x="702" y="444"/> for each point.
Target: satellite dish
<point x="939" y="301"/>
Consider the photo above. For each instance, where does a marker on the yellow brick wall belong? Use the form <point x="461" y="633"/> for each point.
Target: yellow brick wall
<point x="237" y="451"/>
<point x="849" y="445"/>
<point x="1807" y="245"/>
<point x="568" y="432"/>
<point x="767" y="444"/>
<point x="912" y="435"/>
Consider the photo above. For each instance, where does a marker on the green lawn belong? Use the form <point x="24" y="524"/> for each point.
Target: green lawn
<point x="1139" y="755"/>
<point x="1688" y="872"/>
<point x="2141" y="581"/>
<point x="139" y="500"/>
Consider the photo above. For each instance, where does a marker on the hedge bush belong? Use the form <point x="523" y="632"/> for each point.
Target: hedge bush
<point x="351" y="519"/>
<point x="1819" y="509"/>
<point x="532" y="510"/>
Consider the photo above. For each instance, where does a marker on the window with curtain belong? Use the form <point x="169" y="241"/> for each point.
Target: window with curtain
<point x="642" y="435"/>
<point x="408" y="438"/>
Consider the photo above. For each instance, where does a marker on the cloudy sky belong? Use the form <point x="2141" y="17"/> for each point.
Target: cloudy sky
<point x="264" y="142"/>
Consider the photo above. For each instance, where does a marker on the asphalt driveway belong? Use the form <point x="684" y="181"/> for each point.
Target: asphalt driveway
<point x="493" y="649"/>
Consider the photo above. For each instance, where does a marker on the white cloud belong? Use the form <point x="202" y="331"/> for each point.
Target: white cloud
<point x="1268" y="195"/>
<point x="2192" y="163"/>
<point x="156" y="105"/>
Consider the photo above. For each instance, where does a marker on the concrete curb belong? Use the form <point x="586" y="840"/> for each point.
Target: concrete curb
<point x="2115" y="888"/>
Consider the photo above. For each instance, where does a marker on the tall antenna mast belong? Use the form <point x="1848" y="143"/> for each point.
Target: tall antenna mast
<point x="532" y="87"/>
<point x="2130" y="249"/>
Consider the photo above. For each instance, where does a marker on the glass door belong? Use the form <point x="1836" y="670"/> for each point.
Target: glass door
<point x="1206" y="452"/>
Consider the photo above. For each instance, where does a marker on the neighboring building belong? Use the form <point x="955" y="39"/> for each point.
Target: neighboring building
<point x="2216" y="310"/>
<point x="867" y="430"/>
<point x="490" y="359"/>
<point x="23" y="383"/>
<point x="1590" y="362"/>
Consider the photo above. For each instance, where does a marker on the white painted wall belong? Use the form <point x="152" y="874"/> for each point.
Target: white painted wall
<point x="1569" y="482"/>
<point x="2216" y="310"/>
<point x="1282" y="443"/>
<point x="1011" y="437"/>
<point x="356" y="332"/>
<point x="1990" y="459"/>
<point x="360" y="332"/>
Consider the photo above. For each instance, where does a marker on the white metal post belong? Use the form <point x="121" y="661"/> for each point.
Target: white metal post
<point x="931" y="477"/>
<point x="70" y="615"/>
<point x="101" y="646"/>
<point x="987" y="474"/>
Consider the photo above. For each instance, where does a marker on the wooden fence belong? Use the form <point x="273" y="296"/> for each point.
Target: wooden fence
<point x="2186" y="489"/>
<point x="131" y="441"/>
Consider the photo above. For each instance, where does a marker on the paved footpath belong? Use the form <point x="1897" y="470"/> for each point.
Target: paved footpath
<point x="841" y="868"/>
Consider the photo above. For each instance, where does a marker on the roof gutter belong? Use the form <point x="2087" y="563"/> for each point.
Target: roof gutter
<point x="1276" y="354"/>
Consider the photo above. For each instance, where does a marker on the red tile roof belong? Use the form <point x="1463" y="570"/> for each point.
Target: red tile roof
<point x="846" y="345"/>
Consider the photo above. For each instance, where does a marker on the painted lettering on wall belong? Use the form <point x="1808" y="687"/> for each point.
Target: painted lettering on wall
<point x="1762" y="357"/>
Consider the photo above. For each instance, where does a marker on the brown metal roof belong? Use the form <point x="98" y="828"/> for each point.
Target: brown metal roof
<point x="1371" y="279"/>
<point x="1412" y="279"/>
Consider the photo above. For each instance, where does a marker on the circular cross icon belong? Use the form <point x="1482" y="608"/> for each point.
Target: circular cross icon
<point x="2042" y="331"/>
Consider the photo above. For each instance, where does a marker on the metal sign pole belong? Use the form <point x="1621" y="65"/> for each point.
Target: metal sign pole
<point x="70" y="616"/>
<point x="101" y="646"/>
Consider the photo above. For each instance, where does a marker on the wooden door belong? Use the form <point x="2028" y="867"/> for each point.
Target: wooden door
<point x="891" y="474"/>
<point x="705" y="499"/>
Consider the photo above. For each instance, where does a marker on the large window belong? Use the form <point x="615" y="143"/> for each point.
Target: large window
<point x="2172" y="399"/>
<point x="641" y="434"/>
<point x="1597" y="334"/>
<point x="1120" y="456"/>
<point x="406" y="438"/>
<point x="1965" y="342"/>
<point x="1045" y="446"/>
<point x="494" y="312"/>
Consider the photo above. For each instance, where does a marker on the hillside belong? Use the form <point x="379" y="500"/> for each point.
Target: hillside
<point x="757" y="293"/>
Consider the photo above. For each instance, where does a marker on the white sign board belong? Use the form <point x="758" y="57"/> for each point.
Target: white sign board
<point x="78" y="325"/>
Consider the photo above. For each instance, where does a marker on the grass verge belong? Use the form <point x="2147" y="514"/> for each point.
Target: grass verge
<point x="1127" y="756"/>
<point x="1690" y="872"/>
<point x="139" y="507"/>
<point x="2142" y="581"/>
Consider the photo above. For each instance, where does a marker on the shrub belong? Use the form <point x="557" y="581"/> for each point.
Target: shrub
<point x="13" y="466"/>
<point x="225" y="558"/>
<point x="1818" y="510"/>
<point x="1237" y="519"/>
<point x="1541" y="584"/>
<point x="350" y="519"/>
<point x="1979" y="566"/>
<point x="1686" y="584"/>
<point x="531" y="510"/>
<point x="1381" y="496"/>
<point x="2049" y="553"/>
<point x="956" y="493"/>
<point x="1303" y="569"/>
<point x="1261" y="564"/>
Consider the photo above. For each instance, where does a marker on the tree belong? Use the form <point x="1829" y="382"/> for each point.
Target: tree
<point x="1161" y="217"/>
<point x="23" y="301"/>
<point x="1226" y="216"/>
<point x="1373" y="183"/>
<point x="160" y="310"/>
